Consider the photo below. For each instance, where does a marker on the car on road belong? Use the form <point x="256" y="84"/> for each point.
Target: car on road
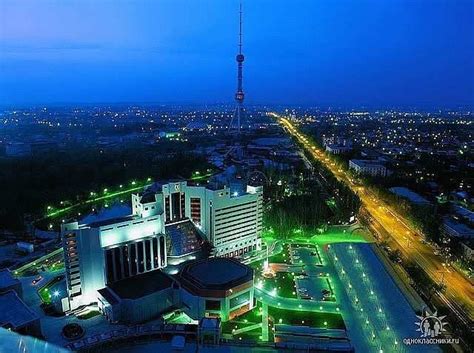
<point x="37" y="280"/>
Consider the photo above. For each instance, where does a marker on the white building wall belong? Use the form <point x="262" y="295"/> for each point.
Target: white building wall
<point x="91" y="244"/>
<point x="231" y="222"/>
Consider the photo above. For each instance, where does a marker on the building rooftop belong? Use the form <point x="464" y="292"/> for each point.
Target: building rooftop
<point x="461" y="230"/>
<point x="106" y="222"/>
<point x="148" y="197"/>
<point x="141" y="285"/>
<point x="410" y="195"/>
<point x="14" y="313"/>
<point x="7" y="279"/>
<point x="115" y="211"/>
<point x="108" y="294"/>
<point x="216" y="273"/>
<point x="464" y="213"/>
<point x="367" y="163"/>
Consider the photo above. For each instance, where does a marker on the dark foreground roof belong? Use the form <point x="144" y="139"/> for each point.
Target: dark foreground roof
<point x="14" y="312"/>
<point x="141" y="285"/>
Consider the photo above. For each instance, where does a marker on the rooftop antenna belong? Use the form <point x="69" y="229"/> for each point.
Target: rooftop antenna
<point x="239" y="95"/>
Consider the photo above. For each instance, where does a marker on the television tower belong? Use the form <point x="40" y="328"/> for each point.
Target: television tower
<point x="239" y="95"/>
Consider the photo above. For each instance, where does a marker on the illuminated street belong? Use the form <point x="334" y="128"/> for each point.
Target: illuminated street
<point x="459" y="290"/>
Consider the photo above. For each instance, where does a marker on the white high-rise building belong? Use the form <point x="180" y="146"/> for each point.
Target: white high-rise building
<point x="231" y="220"/>
<point x="103" y="252"/>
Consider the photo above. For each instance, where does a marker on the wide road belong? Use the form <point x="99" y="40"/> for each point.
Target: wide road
<point x="459" y="293"/>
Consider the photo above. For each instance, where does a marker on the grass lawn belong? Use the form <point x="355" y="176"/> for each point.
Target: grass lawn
<point x="45" y="295"/>
<point x="282" y="257"/>
<point x="306" y="318"/>
<point x="284" y="284"/>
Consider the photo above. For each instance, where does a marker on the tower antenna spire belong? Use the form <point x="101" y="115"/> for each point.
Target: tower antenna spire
<point x="240" y="28"/>
<point x="239" y="95"/>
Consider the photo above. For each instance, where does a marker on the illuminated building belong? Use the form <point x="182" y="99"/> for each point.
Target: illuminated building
<point x="103" y="252"/>
<point x="216" y="287"/>
<point x="368" y="167"/>
<point x="172" y="225"/>
<point x="231" y="219"/>
<point x="137" y="299"/>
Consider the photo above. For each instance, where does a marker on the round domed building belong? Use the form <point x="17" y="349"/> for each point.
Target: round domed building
<point x="216" y="287"/>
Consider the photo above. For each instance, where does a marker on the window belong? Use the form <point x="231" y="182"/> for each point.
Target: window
<point x="239" y="300"/>
<point x="213" y="305"/>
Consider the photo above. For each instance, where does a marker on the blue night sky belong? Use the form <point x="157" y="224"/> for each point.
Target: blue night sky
<point x="319" y="52"/>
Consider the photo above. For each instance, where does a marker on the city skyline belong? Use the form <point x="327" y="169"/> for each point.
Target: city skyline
<point x="154" y="52"/>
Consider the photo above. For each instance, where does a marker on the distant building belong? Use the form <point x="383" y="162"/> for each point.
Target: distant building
<point x="337" y="145"/>
<point x="464" y="213"/>
<point x="454" y="229"/>
<point x="25" y="247"/>
<point x="338" y="148"/>
<point x="368" y="167"/>
<point x="412" y="196"/>
<point x="468" y="250"/>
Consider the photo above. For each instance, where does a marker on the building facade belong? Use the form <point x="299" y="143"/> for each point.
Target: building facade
<point x="217" y="287"/>
<point x="231" y="220"/>
<point x="368" y="167"/>
<point x="101" y="253"/>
